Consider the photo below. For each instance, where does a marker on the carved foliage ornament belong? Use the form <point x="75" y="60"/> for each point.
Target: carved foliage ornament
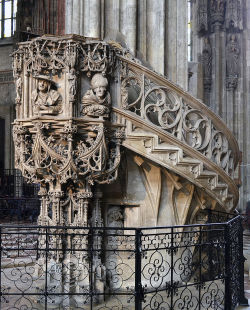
<point x="63" y="53"/>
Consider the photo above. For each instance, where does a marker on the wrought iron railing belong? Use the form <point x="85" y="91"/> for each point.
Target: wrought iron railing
<point x="19" y="201"/>
<point x="181" y="267"/>
<point x="13" y="185"/>
<point x="208" y="216"/>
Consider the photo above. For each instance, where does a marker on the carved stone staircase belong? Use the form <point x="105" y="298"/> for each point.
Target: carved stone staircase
<point x="189" y="140"/>
<point x="149" y="145"/>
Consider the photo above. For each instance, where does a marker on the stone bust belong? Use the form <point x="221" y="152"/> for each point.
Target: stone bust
<point x="45" y="100"/>
<point x="96" y="101"/>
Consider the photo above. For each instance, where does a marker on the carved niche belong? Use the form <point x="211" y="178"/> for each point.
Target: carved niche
<point x="217" y="12"/>
<point x="202" y="23"/>
<point x="234" y="18"/>
<point x="45" y="100"/>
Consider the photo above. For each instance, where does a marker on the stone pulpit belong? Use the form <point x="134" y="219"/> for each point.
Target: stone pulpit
<point x="65" y="141"/>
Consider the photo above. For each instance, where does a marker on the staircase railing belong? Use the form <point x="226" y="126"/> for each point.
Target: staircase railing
<point x="164" y="104"/>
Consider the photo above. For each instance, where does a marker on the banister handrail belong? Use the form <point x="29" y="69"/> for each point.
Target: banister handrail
<point x="194" y="103"/>
<point x="186" y="148"/>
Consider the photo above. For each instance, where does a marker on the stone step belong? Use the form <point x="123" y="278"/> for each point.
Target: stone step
<point x="166" y="153"/>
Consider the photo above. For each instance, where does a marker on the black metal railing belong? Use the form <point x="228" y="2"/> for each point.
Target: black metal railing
<point x="214" y="216"/>
<point x="13" y="185"/>
<point x="19" y="201"/>
<point x="180" y="267"/>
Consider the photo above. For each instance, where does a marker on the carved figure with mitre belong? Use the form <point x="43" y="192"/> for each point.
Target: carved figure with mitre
<point x="45" y="100"/>
<point x="96" y="101"/>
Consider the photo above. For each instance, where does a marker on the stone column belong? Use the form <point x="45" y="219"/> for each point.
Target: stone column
<point x="111" y="18"/>
<point x="153" y="30"/>
<point x="217" y="71"/>
<point x="92" y="18"/>
<point x="176" y="64"/>
<point x="156" y="34"/>
<point x="128" y="12"/>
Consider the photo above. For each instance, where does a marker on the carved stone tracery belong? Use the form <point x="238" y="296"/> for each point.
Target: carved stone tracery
<point x="63" y="150"/>
<point x="162" y="107"/>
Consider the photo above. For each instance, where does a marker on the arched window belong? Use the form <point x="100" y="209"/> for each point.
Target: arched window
<point x="8" y="10"/>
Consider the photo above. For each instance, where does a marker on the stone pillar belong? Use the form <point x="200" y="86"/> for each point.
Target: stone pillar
<point x="153" y="30"/>
<point x="68" y="16"/>
<point x="176" y="42"/>
<point x="156" y="34"/>
<point x="221" y="21"/>
<point x="92" y="18"/>
<point x="128" y="25"/>
<point x="76" y="17"/>
<point x="111" y="18"/>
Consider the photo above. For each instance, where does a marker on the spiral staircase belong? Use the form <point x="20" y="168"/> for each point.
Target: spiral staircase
<point x="175" y="130"/>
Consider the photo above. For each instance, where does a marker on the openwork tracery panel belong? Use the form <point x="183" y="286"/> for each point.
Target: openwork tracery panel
<point x="172" y="112"/>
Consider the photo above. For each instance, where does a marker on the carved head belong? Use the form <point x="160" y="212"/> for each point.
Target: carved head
<point x="233" y="38"/>
<point x="44" y="83"/>
<point x="99" y="85"/>
<point x="43" y="86"/>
